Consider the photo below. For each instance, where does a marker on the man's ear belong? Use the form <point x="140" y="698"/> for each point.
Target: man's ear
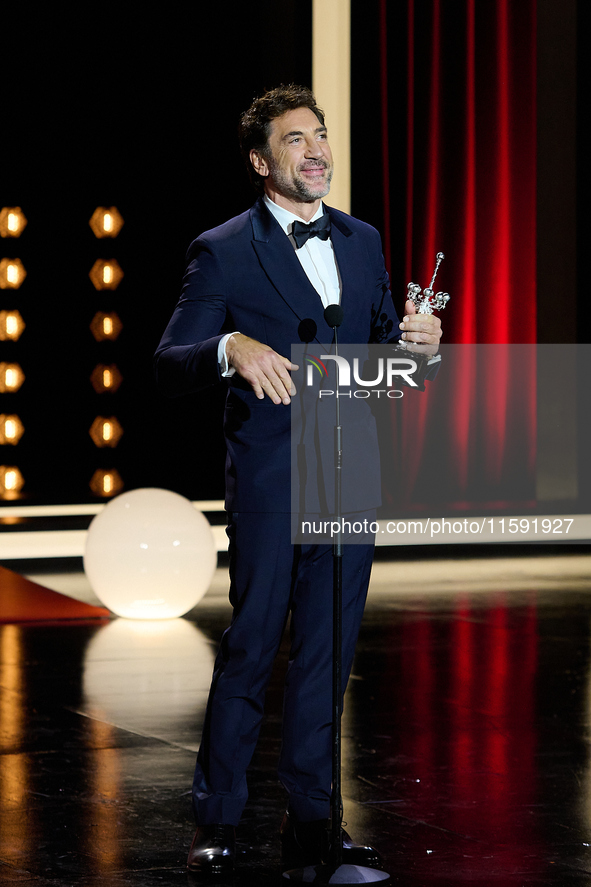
<point x="259" y="164"/>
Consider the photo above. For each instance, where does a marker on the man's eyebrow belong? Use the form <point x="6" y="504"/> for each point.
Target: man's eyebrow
<point x="298" y="132"/>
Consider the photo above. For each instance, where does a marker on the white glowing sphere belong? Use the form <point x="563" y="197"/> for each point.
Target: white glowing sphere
<point x="150" y="554"/>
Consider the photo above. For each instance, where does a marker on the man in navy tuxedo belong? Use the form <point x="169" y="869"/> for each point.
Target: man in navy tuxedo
<point x="253" y="287"/>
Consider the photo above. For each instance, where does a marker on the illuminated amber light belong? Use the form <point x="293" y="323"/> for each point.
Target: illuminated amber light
<point x="106" y="432"/>
<point x="106" y="483"/>
<point x="105" y="326"/>
<point x="12" y="274"/>
<point x="106" y="378"/>
<point x="11" y="429"/>
<point x="106" y="274"/>
<point x="106" y="221"/>
<point x="11" y="482"/>
<point x="12" y="221"/>
<point x="11" y="325"/>
<point x="11" y="377"/>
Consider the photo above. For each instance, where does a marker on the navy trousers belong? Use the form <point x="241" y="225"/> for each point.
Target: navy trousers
<point x="269" y="578"/>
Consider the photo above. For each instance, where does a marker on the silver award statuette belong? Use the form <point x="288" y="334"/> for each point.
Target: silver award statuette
<point x="426" y="302"/>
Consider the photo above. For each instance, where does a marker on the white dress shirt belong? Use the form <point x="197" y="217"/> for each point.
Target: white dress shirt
<point x="316" y="258"/>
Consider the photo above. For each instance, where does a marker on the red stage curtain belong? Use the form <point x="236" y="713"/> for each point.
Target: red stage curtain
<point x="471" y="193"/>
<point x="470" y="158"/>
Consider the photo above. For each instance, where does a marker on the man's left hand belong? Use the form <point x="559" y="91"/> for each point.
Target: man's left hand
<point x="421" y="329"/>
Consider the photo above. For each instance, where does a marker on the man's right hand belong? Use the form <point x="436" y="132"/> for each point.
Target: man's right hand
<point x="264" y="369"/>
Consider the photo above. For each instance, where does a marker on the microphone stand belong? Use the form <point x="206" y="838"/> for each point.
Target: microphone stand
<point x="334" y="871"/>
<point x="336" y="837"/>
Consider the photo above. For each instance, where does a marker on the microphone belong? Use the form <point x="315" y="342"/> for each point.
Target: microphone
<point x="307" y="330"/>
<point x="333" y="315"/>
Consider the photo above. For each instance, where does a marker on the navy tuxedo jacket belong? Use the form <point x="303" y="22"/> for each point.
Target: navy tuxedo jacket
<point x="245" y="276"/>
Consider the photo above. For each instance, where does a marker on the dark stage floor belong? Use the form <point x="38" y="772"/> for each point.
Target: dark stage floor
<point x="466" y="736"/>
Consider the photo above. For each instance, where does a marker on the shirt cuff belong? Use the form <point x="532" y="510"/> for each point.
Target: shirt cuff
<point x="225" y="369"/>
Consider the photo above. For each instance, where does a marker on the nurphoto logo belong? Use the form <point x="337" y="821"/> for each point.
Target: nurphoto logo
<point x="386" y="372"/>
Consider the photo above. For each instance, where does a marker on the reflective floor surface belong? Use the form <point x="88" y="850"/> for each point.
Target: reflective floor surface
<point x="465" y="750"/>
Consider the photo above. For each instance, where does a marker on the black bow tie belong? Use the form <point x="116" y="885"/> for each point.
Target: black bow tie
<point x="320" y="228"/>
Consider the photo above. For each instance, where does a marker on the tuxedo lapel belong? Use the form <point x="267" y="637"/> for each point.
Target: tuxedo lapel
<point x="351" y="259"/>
<point x="282" y="266"/>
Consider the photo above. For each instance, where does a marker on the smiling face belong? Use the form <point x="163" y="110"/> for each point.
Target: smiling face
<point x="297" y="162"/>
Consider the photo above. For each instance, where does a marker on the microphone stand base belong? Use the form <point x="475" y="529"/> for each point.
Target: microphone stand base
<point x="343" y="874"/>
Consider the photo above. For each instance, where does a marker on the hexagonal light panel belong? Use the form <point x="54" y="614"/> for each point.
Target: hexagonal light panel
<point x="105" y="378"/>
<point x="106" y="482"/>
<point x="11" y="325"/>
<point x="11" y="377"/>
<point x="11" y="482"/>
<point x="11" y="429"/>
<point x="12" y="274"/>
<point x="105" y="326"/>
<point x="106" y="274"/>
<point x="12" y="221"/>
<point x="106" y="432"/>
<point x="106" y="221"/>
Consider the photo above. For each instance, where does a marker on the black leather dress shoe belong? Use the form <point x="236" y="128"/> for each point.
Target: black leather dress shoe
<point x="308" y="843"/>
<point x="213" y="850"/>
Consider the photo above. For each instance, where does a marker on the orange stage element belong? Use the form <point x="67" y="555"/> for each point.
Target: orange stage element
<point x="24" y="601"/>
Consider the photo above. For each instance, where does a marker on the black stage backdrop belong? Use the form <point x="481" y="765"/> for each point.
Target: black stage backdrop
<point x="136" y="107"/>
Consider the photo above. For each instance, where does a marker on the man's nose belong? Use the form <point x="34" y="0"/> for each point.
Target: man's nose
<point x="313" y="148"/>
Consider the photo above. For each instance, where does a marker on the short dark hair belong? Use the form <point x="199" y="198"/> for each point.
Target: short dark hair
<point x="255" y="124"/>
